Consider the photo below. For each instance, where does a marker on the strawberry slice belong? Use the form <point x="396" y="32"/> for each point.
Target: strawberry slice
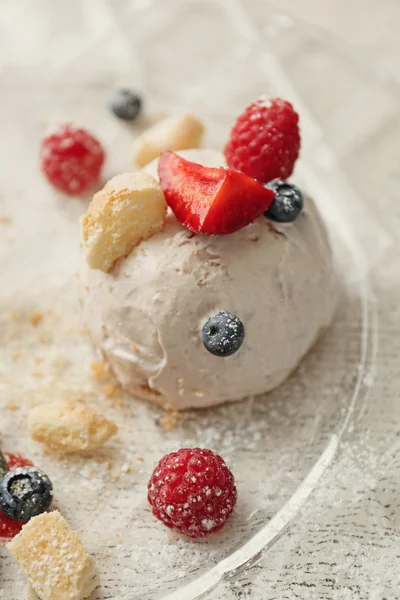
<point x="211" y="201"/>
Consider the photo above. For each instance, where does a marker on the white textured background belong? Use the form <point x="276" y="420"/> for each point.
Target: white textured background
<point x="341" y="60"/>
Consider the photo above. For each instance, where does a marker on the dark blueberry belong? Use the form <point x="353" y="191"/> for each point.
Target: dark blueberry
<point x="3" y="466"/>
<point x="125" y="104"/>
<point x="288" y="202"/>
<point x="24" y="493"/>
<point x="223" y="334"/>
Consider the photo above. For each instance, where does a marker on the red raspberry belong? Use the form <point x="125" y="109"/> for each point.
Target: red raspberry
<point x="265" y="140"/>
<point x="16" y="460"/>
<point x="71" y="159"/>
<point x="192" y="491"/>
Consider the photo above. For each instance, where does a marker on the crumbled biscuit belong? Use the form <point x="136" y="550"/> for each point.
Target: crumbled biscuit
<point x="69" y="426"/>
<point x="53" y="559"/>
<point x="169" y="420"/>
<point x="111" y="390"/>
<point x="35" y="318"/>
<point x="174" y="133"/>
<point x="130" y="208"/>
<point x="100" y="369"/>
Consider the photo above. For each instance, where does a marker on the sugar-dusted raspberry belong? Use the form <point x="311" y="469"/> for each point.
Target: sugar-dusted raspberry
<point x="192" y="491"/>
<point x="71" y="159"/>
<point x="16" y="460"/>
<point x="265" y="140"/>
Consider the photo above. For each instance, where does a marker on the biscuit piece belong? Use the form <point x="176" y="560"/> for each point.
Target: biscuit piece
<point x="174" y="133"/>
<point x="130" y="208"/>
<point x="69" y="426"/>
<point x="53" y="559"/>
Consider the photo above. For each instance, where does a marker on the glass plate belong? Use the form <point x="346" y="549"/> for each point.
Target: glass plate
<point x="211" y="58"/>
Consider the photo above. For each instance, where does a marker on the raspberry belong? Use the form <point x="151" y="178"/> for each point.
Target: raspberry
<point x="16" y="460"/>
<point x="265" y="140"/>
<point x="192" y="491"/>
<point x="71" y="159"/>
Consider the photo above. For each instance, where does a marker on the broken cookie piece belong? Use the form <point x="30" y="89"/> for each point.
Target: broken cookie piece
<point x="174" y="133"/>
<point x="69" y="427"/>
<point x="130" y="208"/>
<point x="53" y="559"/>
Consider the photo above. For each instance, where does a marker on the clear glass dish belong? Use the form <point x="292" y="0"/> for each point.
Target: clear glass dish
<point x="211" y="58"/>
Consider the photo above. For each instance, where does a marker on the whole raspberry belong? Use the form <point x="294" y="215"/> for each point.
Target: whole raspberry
<point x="265" y="140"/>
<point x="192" y="491"/>
<point x="71" y="159"/>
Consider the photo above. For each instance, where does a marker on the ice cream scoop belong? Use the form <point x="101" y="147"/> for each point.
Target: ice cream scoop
<point x="147" y="314"/>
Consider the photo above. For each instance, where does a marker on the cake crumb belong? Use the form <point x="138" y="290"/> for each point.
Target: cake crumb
<point x="12" y="406"/>
<point x="5" y="219"/>
<point x="140" y="458"/>
<point x="111" y="390"/>
<point x="16" y="355"/>
<point x="115" y="402"/>
<point x="169" y="420"/>
<point x="135" y="348"/>
<point x="126" y="468"/>
<point x="35" y="318"/>
<point x="37" y="374"/>
<point x="99" y="369"/>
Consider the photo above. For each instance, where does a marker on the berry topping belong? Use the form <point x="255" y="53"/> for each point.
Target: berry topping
<point x="223" y="334"/>
<point x="25" y="492"/>
<point x="211" y="200"/>
<point x="9" y="528"/>
<point x="125" y="104"/>
<point x="192" y="491"/>
<point x="265" y="140"/>
<point x="3" y="466"/>
<point x="71" y="159"/>
<point x="16" y="460"/>
<point x="288" y="202"/>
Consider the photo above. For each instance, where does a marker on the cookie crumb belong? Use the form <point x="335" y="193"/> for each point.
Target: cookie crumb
<point x="35" y="318"/>
<point x="5" y="219"/>
<point x="169" y="420"/>
<point x="126" y="468"/>
<point x="99" y="369"/>
<point x="16" y="355"/>
<point x="140" y="458"/>
<point x="37" y="374"/>
<point x="111" y="390"/>
<point x="12" y="406"/>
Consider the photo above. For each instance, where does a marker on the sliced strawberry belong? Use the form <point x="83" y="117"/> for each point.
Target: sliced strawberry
<point x="211" y="201"/>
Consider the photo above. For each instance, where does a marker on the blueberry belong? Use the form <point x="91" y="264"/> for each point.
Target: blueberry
<point x="25" y="492"/>
<point x="223" y="334"/>
<point x="125" y="104"/>
<point x="3" y="466"/>
<point x="288" y="202"/>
